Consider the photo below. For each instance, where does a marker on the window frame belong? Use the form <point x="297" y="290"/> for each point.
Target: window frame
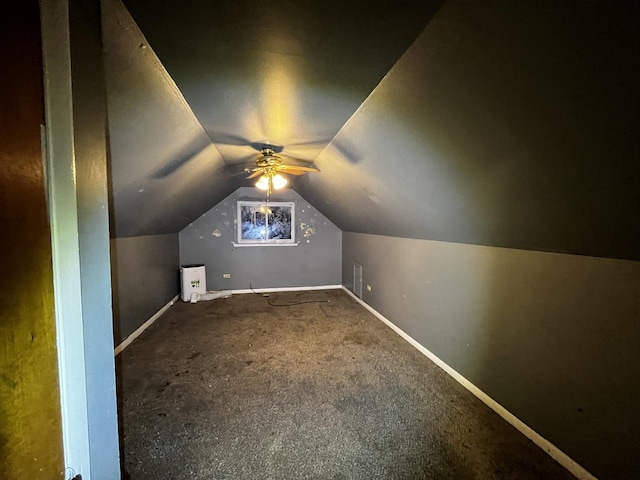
<point x="266" y="241"/>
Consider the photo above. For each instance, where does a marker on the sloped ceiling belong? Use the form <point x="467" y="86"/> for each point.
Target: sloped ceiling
<point x="511" y="124"/>
<point x="282" y="72"/>
<point x="255" y="73"/>
<point x="153" y="134"/>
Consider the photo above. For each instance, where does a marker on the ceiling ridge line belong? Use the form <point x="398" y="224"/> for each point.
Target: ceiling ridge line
<point x="377" y="86"/>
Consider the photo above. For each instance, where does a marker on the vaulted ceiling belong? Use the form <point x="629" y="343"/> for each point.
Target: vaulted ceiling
<point x="511" y="124"/>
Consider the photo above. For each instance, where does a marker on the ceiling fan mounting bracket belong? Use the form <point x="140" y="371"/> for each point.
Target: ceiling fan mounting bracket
<point x="268" y="158"/>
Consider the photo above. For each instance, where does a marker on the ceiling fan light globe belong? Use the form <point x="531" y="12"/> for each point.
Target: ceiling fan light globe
<point x="263" y="182"/>
<point x="279" y="181"/>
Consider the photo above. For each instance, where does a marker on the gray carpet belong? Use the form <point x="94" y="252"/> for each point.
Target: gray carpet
<point x="239" y="389"/>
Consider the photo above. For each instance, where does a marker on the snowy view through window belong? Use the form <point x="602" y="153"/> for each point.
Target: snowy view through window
<point x="266" y="223"/>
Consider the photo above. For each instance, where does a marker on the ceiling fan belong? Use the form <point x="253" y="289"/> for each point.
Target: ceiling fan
<point x="269" y="167"/>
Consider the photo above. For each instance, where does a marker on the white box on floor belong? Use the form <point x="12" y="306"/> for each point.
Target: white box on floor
<point x="192" y="279"/>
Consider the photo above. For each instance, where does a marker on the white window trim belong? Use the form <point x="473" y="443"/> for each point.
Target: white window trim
<point x="267" y="242"/>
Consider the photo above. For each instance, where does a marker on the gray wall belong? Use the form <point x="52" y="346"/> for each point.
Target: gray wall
<point x="551" y="337"/>
<point x="144" y="277"/>
<point x="90" y="143"/>
<point x="315" y="261"/>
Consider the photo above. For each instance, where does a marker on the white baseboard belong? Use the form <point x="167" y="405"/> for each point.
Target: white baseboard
<point x="286" y="289"/>
<point x="127" y="341"/>
<point x="553" y="451"/>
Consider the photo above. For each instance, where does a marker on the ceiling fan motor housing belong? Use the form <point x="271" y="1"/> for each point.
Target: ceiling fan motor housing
<point x="268" y="158"/>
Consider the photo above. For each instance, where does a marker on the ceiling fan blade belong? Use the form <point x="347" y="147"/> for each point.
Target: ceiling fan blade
<point x="229" y="139"/>
<point x="287" y="168"/>
<point x="255" y="174"/>
<point x="347" y="150"/>
<point x="321" y="142"/>
<point x="222" y="138"/>
<point x="180" y="161"/>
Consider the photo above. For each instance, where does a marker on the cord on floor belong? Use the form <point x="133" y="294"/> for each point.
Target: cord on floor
<point x="287" y="304"/>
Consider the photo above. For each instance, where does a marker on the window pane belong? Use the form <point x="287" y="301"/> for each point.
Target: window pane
<point x="280" y="223"/>
<point x="265" y="223"/>
<point x="253" y="223"/>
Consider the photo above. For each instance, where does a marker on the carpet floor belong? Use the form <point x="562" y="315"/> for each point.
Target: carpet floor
<point x="253" y="387"/>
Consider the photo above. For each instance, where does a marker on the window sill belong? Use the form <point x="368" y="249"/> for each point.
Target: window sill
<point x="235" y="244"/>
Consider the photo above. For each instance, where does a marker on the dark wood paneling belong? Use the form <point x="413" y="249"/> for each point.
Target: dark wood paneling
<point x="30" y="431"/>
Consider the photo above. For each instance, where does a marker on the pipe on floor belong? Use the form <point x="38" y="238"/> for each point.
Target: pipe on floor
<point x="212" y="295"/>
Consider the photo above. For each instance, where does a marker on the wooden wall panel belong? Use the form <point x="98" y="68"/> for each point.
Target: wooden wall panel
<point x="30" y="431"/>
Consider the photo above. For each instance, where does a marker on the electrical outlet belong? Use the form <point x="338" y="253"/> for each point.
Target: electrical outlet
<point x="226" y="275"/>
<point x="369" y="288"/>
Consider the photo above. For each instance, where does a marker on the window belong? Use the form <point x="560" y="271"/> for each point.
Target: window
<point x="261" y="223"/>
